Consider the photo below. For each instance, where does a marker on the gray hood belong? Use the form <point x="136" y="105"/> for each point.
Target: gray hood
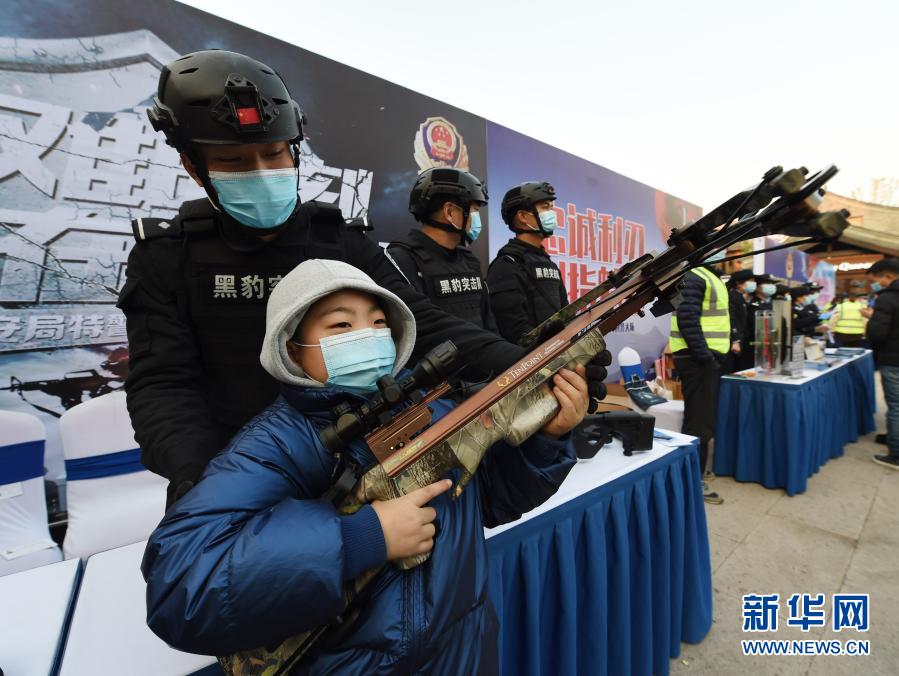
<point x="303" y="286"/>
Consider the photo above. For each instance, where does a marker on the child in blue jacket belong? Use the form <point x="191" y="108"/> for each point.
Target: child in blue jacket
<point x="254" y="554"/>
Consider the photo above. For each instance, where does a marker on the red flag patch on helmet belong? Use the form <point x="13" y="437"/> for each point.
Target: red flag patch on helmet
<point x="248" y="116"/>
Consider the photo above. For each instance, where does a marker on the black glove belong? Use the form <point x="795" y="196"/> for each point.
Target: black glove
<point x="596" y="373"/>
<point x="596" y="367"/>
<point x="181" y="483"/>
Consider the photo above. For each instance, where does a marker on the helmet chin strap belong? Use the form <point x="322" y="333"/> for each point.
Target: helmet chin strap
<point x="295" y="152"/>
<point x="449" y="227"/>
<point x="199" y="165"/>
<point x="533" y="231"/>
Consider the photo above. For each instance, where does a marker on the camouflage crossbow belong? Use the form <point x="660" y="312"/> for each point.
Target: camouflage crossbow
<point x="413" y="453"/>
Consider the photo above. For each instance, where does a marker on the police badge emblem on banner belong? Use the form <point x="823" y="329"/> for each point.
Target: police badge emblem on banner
<point x="439" y="144"/>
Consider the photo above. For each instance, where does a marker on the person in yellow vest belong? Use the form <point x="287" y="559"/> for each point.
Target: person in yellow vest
<point x="848" y="320"/>
<point x="700" y="341"/>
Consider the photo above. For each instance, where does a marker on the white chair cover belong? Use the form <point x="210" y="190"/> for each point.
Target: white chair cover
<point x="24" y="534"/>
<point x="36" y="606"/>
<point x="109" y="633"/>
<point x="114" y="509"/>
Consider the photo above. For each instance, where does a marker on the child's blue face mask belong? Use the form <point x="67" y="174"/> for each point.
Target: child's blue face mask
<point x="261" y="199"/>
<point x="357" y="359"/>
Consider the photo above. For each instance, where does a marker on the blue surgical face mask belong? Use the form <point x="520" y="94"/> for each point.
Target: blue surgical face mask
<point x="475" y="230"/>
<point x="261" y="199"/>
<point x="749" y="287"/>
<point x="808" y="301"/>
<point x="357" y="359"/>
<point x="717" y="256"/>
<point x="876" y="286"/>
<point x="548" y="221"/>
<point x="768" y="290"/>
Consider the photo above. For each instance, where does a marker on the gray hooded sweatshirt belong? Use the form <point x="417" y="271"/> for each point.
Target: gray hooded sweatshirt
<point x="309" y="282"/>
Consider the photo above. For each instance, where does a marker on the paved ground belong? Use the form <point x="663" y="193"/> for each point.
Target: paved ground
<point x="841" y="535"/>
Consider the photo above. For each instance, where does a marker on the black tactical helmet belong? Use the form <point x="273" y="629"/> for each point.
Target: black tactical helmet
<point x="220" y="97"/>
<point x="434" y="185"/>
<point x="524" y="197"/>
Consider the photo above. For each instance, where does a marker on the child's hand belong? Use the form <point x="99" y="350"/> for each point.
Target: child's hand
<point x="570" y="390"/>
<point x="407" y="523"/>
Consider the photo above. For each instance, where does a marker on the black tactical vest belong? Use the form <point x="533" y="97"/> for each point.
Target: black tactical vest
<point x="544" y="297"/>
<point x="227" y="280"/>
<point x="453" y="284"/>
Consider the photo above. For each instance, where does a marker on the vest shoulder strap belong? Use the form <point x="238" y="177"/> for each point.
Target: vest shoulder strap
<point x="324" y="237"/>
<point x="511" y="257"/>
<point x="324" y="212"/>
<point x="145" y="229"/>
<point x="417" y="251"/>
<point x="473" y="262"/>
<point x="194" y="217"/>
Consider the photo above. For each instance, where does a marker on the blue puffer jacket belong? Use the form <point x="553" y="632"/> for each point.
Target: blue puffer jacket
<point x="251" y="556"/>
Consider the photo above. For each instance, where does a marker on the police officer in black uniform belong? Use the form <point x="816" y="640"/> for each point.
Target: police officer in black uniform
<point x="197" y="285"/>
<point x="739" y="310"/>
<point x="436" y="258"/>
<point x="805" y="313"/>
<point x="758" y="301"/>
<point x="813" y="305"/>
<point x="525" y="284"/>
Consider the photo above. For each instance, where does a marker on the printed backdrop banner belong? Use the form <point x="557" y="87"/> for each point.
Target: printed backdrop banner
<point x="824" y="274"/>
<point x="605" y="220"/>
<point x="789" y="264"/>
<point x="79" y="160"/>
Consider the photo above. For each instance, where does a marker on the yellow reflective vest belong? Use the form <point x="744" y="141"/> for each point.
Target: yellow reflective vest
<point x="715" y="318"/>
<point x="851" y="320"/>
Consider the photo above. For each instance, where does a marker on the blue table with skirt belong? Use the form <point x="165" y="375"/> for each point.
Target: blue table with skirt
<point x="612" y="573"/>
<point x="778" y="431"/>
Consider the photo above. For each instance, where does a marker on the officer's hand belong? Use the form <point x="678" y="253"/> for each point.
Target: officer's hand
<point x="178" y="490"/>
<point x="596" y="373"/>
<point x="407" y="523"/>
<point x="712" y="364"/>
<point x="570" y="390"/>
<point x="735" y="347"/>
<point x="181" y="483"/>
<point x="866" y="312"/>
